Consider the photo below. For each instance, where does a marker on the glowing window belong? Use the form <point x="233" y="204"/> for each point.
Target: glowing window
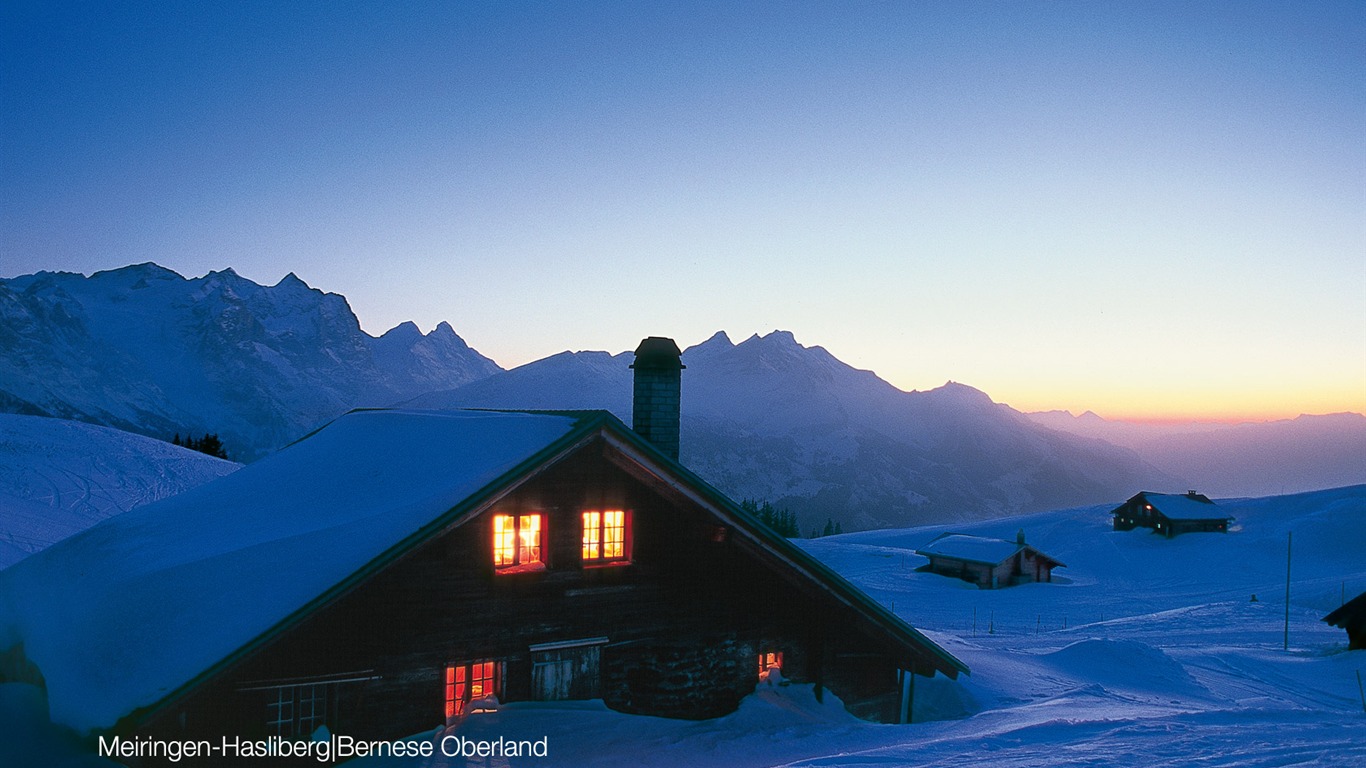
<point x="517" y="542"/>
<point x="769" y="661"/>
<point x="605" y="535"/>
<point x="469" y="683"/>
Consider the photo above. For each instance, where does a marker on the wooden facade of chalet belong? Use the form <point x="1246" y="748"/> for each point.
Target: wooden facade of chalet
<point x="668" y="615"/>
<point x="398" y="570"/>
<point x="988" y="563"/>
<point x="624" y="578"/>
<point x="1170" y="514"/>
<point x="1351" y="616"/>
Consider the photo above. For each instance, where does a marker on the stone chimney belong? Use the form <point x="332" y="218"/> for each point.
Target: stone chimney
<point x="1019" y="537"/>
<point x="655" y="403"/>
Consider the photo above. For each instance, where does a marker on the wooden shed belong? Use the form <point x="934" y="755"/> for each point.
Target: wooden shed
<point x="1351" y="616"/>
<point x="1170" y="514"/>
<point x="988" y="563"/>
<point x="398" y="570"/>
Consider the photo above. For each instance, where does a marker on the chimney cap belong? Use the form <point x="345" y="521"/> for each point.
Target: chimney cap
<point x="658" y="352"/>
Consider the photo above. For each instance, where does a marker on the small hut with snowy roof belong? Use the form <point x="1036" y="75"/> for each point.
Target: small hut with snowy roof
<point x="1170" y="513"/>
<point x="988" y="563"/>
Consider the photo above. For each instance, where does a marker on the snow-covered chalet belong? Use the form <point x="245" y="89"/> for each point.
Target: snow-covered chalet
<point x="397" y="570"/>
<point x="989" y="563"/>
<point x="1170" y="514"/>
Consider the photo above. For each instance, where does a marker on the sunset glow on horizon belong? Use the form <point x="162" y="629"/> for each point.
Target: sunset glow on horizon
<point x="1151" y="211"/>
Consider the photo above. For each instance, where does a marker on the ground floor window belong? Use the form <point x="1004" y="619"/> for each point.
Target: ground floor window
<point x="769" y="660"/>
<point x="468" y="683"/>
<point x="298" y="707"/>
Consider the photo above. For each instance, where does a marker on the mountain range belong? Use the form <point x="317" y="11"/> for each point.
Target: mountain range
<point x="770" y="419"/>
<point x="146" y="350"/>
<point x="1305" y="453"/>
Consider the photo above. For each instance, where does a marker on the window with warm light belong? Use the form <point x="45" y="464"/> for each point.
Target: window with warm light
<point x="769" y="661"/>
<point x="606" y="536"/>
<point x="517" y="542"/>
<point x="471" y="682"/>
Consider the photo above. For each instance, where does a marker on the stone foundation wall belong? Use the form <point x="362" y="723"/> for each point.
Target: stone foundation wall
<point x="689" y="678"/>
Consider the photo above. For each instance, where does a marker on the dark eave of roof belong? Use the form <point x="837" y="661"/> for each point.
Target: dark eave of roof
<point x="1348" y="611"/>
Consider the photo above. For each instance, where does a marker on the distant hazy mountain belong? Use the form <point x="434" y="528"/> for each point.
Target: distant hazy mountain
<point x="1256" y="459"/>
<point x="770" y="419"/>
<point x="60" y="477"/>
<point x="143" y="349"/>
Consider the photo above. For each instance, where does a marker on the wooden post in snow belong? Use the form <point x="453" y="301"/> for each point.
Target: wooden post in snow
<point x="910" y="698"/>
<point x="1289" y="535"/>
<point x="1359" y="692"/>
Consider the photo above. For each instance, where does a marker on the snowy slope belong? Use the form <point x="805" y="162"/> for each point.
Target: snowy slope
<point x="774" y="420"/>
<point x="143" y="349"/>
<point x="60" y="477"/>
<point x="1163" y="660"/>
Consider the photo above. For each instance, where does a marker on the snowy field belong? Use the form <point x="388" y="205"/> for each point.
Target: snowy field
<point x="1143" y="652"/>
<point x="60" y="477"/>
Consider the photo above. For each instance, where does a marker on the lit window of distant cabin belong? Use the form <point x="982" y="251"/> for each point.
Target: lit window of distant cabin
<point x="606" y="536"/>
<point x="517" y="543"/>
<point x="768" y="661"/>
<point x="469" y="683"/>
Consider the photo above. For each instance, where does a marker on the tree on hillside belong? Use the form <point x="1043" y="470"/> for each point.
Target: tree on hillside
<point x="832" y="528"/>
<point x="783" y="522"/>
<point x="209" y="444"/>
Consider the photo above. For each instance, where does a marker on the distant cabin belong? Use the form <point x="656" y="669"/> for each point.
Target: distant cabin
<point x="1170" y="514"/>
<point x="988" y="563"/>
<point x="1351" y="617"/>
<point x="396" y="571"/>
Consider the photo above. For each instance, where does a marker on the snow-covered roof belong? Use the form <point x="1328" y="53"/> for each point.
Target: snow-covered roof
<point x="1183" y="507"/>
<point x="123" y="615"/>
<point x="975" y="549"/>
<point x="120" y="616"/>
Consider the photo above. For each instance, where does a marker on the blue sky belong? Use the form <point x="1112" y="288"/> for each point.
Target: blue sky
<point x="1144" y="209"/>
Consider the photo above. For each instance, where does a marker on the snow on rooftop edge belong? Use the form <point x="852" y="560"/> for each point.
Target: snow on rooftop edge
<point x="121" y="615"/>
<point x="974" y="548"/>
<point x="1181" y="507"/>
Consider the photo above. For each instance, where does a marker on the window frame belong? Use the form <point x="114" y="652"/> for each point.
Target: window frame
<point x="596" y="536"/>
<point x="768" y="660"/>
<point x="498" y="549"/>
<point x="458" y="685"/>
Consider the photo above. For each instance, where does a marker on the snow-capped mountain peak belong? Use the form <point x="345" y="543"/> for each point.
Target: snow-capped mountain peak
<point x="145" y="349"/>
